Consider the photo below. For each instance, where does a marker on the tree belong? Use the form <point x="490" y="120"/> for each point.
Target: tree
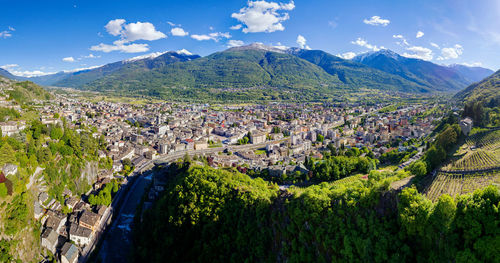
<point x="418" y="168"/>
<point x="435" y="156"/>
<point x="127" y="162"/>
<point x="7" y="154"/>
<point x="56" y="133"/>
<point x="320" y="138"/>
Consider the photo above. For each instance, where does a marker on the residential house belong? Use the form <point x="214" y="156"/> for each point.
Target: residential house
<point x="69" y="253"/>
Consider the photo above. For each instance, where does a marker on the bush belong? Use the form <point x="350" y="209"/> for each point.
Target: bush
<point x="3" y="190"/>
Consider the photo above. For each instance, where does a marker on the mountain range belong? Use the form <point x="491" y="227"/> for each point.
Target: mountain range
<point x="264" y="71"/>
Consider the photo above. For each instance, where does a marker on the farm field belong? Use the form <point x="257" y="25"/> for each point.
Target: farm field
<point x="454" y="184"/>
<point x="479" y="152"/>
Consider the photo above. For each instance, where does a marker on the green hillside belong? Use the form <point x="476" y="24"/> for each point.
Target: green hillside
<point x="214" y="215"/>
<point x="250" y="73"/>
<point x="122" y="69"/>
<point x="486" y="91"/>
<point x="356" y="74"/>
<point x="23" y="92"/>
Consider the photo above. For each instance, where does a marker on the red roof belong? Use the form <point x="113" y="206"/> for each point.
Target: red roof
<point x="2" y="178"/>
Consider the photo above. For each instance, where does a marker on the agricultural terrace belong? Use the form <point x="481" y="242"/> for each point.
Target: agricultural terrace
<point x="480" y="151"/>
<point x="458" y="184"/>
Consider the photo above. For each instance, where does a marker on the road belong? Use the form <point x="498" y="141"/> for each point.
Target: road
<point x="412" y="159"/>
<point x="118" y="240"/>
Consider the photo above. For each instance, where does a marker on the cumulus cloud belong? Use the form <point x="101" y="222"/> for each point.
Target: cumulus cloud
<point x="376" y="21"/>
<point x="419" y="53"/>
<point x="236" y="27"/>
<point x="262" y="16"/>
<point x="179" y="32"/>
<point x="216" y="36"/>
<point x="235" y="43"/>
<point x="129" y="33"/>
<point x="301" y="41"/>
<point x="363" y="43"/>
<point x="68" y="59"/>
<point x="435" y="45"/>
<point x="419" y="34"/>
<point x="451" y="52"/>
<point x="115" y="27"/>
<point x="347" y="55"/>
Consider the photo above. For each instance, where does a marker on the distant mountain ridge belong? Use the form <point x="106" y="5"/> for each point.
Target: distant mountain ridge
<point x="421" y="72"/>
<point x="257" y="66"/>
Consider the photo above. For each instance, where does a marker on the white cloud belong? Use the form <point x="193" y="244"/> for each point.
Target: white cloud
<point x="236" y="27"/>
<point x="5" y="34"/>
<point x="403" y="41"/>
<point x="376" y="21"/>
<point x="91" y="56"/>
<point x="279" y="46"/>
<point x="302" y="42"/>
<point x="419" y="34"/>
<point x="15" y="70"/>
<point x="361" y="42"/>
<point x="235" y="43"/>
<point x="117" y="46"/>
<point x="419" y="52"/>
<point x="262" y="16"/>
<point x="115" y="27"/>
<point x="472" y="64"/>
<point x="172" y="24"/>
<point x="347" y="55"/>
<point x="179" y="32"/>
<point x="29" y="74"/>
<point x="211" y="28"/>
<point x="129" y="33"/>
<point x="9" y="66"/>
<point x="435" y="45"/>
<point x="68" y="59"/>
<point x="141" y="31"/>
<point x="216" y="36"/>
<point x="451" y="52"/>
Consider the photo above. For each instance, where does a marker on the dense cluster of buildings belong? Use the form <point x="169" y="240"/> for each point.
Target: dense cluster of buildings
<point x="276" y="136"/>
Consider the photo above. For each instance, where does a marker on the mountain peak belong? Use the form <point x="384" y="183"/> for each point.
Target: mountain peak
<point x="259" y="46"/>
<point x="385" y="52"/>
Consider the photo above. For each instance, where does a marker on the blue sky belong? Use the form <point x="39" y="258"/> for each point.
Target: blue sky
<point x="39" y="37"/>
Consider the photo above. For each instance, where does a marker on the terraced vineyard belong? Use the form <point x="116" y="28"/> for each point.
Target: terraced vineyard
<point x="454" y="184"/>
<point x="479" y="152"/>
<point x="489" y="140"/>
<point x="475" y="164"/>
<point x="475" y="160"/>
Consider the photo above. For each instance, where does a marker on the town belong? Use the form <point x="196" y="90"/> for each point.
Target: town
<point x="277" y="137"/>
